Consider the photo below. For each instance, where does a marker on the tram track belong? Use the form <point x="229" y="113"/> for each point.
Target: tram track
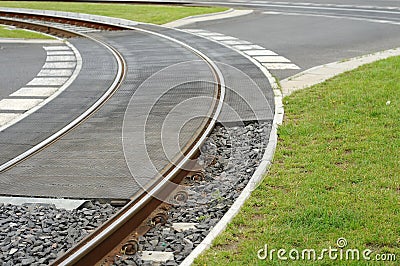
<point x="107" y="237"/>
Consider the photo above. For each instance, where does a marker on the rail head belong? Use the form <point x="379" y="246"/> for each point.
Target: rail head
<point x="78" y="255"/>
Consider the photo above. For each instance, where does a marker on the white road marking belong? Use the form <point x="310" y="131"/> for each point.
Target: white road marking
<point x="248" y="47"/>
<point x="271" y="59"/>
<point x="210" y="34"/>
<point x="60" y="65"/>
<point x="60" y="53"/>
<point x="47" y="81"/>
<point x="35" y="91"/>
<point x="267" y="58"/>
<point x="19" y="104"/>
<point x="55" y="72"/>
<point x="56" y="48"/>
<point x="195" y="30"/>
<point x="58" y="58"/>
<point x="276" y="66"/>
<point x="223" y="38"/>
<point x="236" y="42"/>
<point x="7" y="117"/>
<point x="260" y="52"/>
<point x="54" y="78"/>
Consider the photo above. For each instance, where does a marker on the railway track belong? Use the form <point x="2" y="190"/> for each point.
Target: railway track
<point x="122" y="230"/>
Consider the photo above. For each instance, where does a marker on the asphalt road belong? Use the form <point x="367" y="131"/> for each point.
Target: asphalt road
<point x="316" y="32"/>
<point x="20" y="62"/>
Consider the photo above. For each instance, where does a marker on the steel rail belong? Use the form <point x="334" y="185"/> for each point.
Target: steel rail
<point x="120" y="75"/>
<point x="82" y="253"/>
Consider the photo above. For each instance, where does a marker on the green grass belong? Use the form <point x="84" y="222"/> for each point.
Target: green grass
<point x="335" y="174"/>
<point x="156" y="14"/>
<point x="6" y="32"/>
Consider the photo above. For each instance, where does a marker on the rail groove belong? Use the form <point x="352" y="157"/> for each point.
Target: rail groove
<point x="98" y="244"/>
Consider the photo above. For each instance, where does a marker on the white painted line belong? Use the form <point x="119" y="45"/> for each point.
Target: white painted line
<point x="19" y="104"/>
<point x="60" y="65"/>
<point x="180" y="227"/>
<point x="209" y="34"/>
<point x="195" y="30"/>
<point x="60" y="52"/>
<point x="7" y="117"/>
<point x="77" y="69"/>
<point x="56" y="48"/>
<point x="237" y="42"/>
<point x="58" y="58"/>
<point x="282" y="66"/>
<point x="223" y="38"/>
<point x="156" y="256"/>
<point x="206" y="17"/>
<point x="272" y="13"/>
<point x="66" y="204"/>
<point x="47" y="82"/>
<point x="272" y="59"/>
<point x="55" y="72"/>
<point x="260" y="52"/>
<point x="248" y="47"/>
<point x="35" y="91"/>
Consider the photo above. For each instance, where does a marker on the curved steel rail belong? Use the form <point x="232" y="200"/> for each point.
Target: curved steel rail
<point x="121" y="65"/>
<point x="91" y="249"/>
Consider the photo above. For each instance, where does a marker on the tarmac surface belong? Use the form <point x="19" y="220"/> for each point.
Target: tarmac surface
<point x="25" y="60"/>
<point x="97" y="159"/>
<point x="311" y="35"/>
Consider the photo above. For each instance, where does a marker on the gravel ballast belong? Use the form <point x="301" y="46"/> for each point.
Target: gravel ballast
<point x="37" y="234"/>
<point x="34" y="234"/>
<point x="229" y="158"/>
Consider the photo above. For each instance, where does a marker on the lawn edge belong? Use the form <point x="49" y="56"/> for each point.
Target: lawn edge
<point x="319" y="74"/>
<point x="259" y="173"/>
<point x="299" y="81"/>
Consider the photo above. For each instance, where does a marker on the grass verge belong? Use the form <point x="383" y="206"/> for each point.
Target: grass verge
<point x="156" y="14"/>
<point x="6" y="32"/>
<point x="335" y="174"/>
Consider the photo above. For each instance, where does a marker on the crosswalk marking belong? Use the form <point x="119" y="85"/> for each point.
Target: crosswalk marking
<point x="248" y="47"/>
<point x="235" y="42"/>
<point x="19" y="104"/>
<point x="46" y="72"/>
<point x="59" y="67"/>
<point x="63" y="52"/>
<point x="259" y="52"/>
<point x="34" y="91"/>
<point x="272" y="59"/>
<point x="276" y="66"/>
<point x="267" y="58"/>
<point x="47" y="81"/>
<point x="58" y="58"/>
<point x="223" y="38"/>
<point x="56" y="48"/>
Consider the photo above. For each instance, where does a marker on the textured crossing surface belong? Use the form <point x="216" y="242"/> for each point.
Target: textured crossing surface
<point x="96" y="160"/>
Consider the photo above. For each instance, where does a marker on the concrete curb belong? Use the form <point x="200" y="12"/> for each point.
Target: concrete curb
<point x="321" y="73"/>
<point x="207" y="17"/>
<point x="258" y="174"/>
